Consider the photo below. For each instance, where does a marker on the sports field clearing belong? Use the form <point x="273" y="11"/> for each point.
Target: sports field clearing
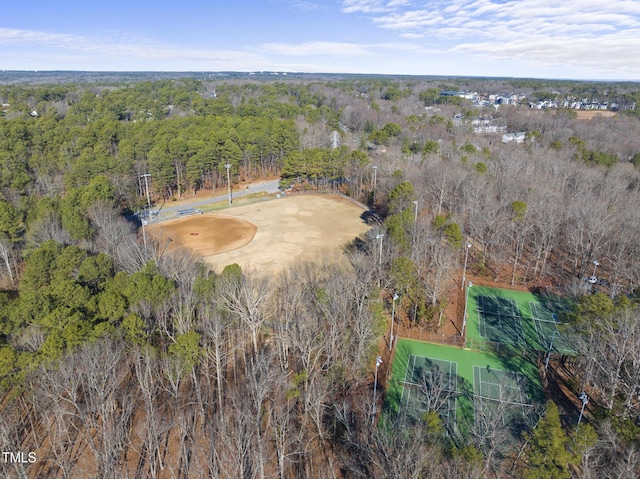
<point x="517" y="319"/>
<point x="269" y="235"/>
<point x="461" y="385"/>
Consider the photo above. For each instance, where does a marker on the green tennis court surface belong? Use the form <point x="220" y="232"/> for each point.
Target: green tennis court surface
<point x="500" y="396"/>
<point x="550" y="330"/>
<point x="498" y="317"/>
<point x="499" y="320"/>
<point x="430" y="385"/>
<point x="462" y="386"/>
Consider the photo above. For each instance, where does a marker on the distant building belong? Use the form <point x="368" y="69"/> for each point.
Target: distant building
<point x="518" y="137"/>
<point x="487" y="125"/>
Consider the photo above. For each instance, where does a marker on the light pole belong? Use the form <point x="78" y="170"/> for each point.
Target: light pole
<point x="375" y="179"/>
<point x="228" y="167"/>
<point x="146" y="185"/>
<point x="464" y="316"/>
<point x="144" y="235"/>
<point x="546" y="361"/>
<point x="593" y="279"/>
<point x="415" y="227"/>
<point x="375" y="389"/>
<point x="585" y="399"/>
<point x="464" y="270"/>
<point x="379" y="237"/>
<point x="393" y="315"/>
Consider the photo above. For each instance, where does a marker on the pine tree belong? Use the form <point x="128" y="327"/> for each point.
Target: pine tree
<point x="548" y="456"/>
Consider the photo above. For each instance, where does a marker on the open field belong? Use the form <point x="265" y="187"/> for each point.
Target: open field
<point x="269" y="235"/>
<point x="591" y="114"/>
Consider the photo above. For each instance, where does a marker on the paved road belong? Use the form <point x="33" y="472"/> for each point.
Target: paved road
<point x="265" y="186"/>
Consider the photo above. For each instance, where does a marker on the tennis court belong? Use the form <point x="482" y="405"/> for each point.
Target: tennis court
<point x="446" y="379"/>
<point x="500" y="320"/>
<point x="551" y="333"/>
<point x="501" y="317"/>
<point x="500" y="395"/>
<point x="429" y="385"/>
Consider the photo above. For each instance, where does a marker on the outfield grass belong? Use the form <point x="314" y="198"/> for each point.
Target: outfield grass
<point x="466" y="360"/>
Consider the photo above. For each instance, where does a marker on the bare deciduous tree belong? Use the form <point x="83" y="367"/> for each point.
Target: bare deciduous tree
<point x="246" y="297"/>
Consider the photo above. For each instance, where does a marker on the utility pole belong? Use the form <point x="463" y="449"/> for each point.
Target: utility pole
<point x="393" y="317"/>
<point x="144" y="234"/>
<point x="375" y="389"/>
<point x="228" y="167"/>
<point x="415" y="227"/>
<point x="379" y="238"/>
<point x="146" y="184"/>
<point x="375" y="179"/>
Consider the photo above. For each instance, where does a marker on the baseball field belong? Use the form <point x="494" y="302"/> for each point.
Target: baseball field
<point x="268" y="235"/>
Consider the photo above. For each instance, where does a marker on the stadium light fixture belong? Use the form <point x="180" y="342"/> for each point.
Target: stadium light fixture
<point x="593" y="279"/>
<point x="228" y="167"/>
<point x="464" y="270"/>
<point x="393" y="315"/>
<point x="375" y="390"/>
<point x="585" y="399"/>
<point x="464" y="315"/>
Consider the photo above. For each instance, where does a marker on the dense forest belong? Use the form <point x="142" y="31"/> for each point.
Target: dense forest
<point x="122" y="358"/>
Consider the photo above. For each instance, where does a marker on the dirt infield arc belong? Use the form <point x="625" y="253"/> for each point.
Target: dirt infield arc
<point x="205" y="233"/>
<point x="268" y="235"/>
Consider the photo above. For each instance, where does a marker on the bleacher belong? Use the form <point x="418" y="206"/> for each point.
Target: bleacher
<point x="189" y="212"/>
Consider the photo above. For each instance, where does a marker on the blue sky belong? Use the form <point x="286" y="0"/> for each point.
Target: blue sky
<point x="574" y="39"/>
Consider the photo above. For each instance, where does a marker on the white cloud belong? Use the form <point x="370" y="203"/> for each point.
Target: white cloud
<point x="371" y="6"/>
<point x="608" y="54"/>
<point x="12" y="36"/>
<point x="592" y="34"/>
<point x="82" y="48"/>
<point x="317" y="48"/>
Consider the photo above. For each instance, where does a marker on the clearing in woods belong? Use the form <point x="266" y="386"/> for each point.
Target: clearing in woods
<point x="268" y="235"/>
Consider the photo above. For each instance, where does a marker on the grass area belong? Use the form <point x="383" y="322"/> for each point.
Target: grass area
<point x="222" y="204"/>
<point x="512" y="317"/>
<point x="241" y="200"/>
<point x="403" y="370"/>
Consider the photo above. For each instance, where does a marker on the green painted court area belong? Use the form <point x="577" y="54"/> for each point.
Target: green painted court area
<point x="460" y="385"/>
<point x="500" y="317"/>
